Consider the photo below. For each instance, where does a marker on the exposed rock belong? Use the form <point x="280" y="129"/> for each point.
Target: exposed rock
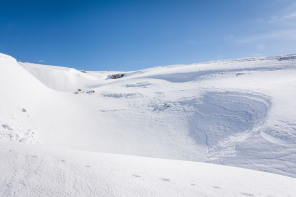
<point x="116" y="76"/>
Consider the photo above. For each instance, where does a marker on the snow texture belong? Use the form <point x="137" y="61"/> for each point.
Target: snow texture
<point x="65" y="132"/>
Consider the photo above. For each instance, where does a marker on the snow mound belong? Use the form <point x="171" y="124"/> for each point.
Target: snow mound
<point x="61" y="78"/>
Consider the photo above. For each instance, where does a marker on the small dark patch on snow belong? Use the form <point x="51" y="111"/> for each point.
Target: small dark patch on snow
<point x="117" y="76"/>
<point x="165" y="179"/>
<point x="90" y="91"/>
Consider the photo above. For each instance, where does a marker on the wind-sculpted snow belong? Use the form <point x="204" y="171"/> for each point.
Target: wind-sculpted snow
<point x="206" y="75"/>
<point x="120" y="95"/>
<point x="219" y="115"/>
<point x="212" y="111"/>
<point x="235" y="112"/>
<point x="283" y="133"/>
<point x="142" y="85"/>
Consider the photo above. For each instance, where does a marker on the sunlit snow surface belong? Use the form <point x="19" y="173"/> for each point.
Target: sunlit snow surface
<point x="235" y="112"/>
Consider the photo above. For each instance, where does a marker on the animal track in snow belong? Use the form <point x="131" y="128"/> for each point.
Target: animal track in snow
<point x="165" y="179"/>
<point x="7" y="127"/>
<point x="17" y="134"/>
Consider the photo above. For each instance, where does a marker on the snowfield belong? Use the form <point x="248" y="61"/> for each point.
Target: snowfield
<point x="65" y="132"/>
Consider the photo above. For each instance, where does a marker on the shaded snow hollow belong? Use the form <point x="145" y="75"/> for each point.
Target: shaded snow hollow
<point x="236" y="112"/>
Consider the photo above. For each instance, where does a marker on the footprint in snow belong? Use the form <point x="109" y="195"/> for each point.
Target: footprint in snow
<point x="216" y="187"/>
<point x="247" y="194"/>
<point x="165" y="179"/>
<point x="135" y="175"/>
<point x="22" y="183"/>
<point x="7" y="127"/>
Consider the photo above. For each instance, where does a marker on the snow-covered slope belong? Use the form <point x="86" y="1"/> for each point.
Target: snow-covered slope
<point x="235" y="112"/>
<point x="62" y="78"/>
<point x="33" y="170"/>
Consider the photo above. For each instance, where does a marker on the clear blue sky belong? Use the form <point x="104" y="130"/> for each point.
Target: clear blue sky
<point x="136" y="34"/>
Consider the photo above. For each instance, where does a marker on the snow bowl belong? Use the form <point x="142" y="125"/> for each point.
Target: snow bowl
<point x="219" y="115"/>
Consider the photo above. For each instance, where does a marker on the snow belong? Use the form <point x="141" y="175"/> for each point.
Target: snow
<point x="31" y="170"/>
<point x="62" y="78"/>
<point x="147" y="132"/>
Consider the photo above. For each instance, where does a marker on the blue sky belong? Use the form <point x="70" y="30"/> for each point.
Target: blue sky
<point x="132" y="35"/>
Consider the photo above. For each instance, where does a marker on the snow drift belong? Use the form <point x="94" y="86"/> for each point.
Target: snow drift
<point x="234" y="112"/>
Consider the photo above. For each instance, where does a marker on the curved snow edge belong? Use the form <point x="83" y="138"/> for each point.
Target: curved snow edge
<point x="7" y="57"/>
